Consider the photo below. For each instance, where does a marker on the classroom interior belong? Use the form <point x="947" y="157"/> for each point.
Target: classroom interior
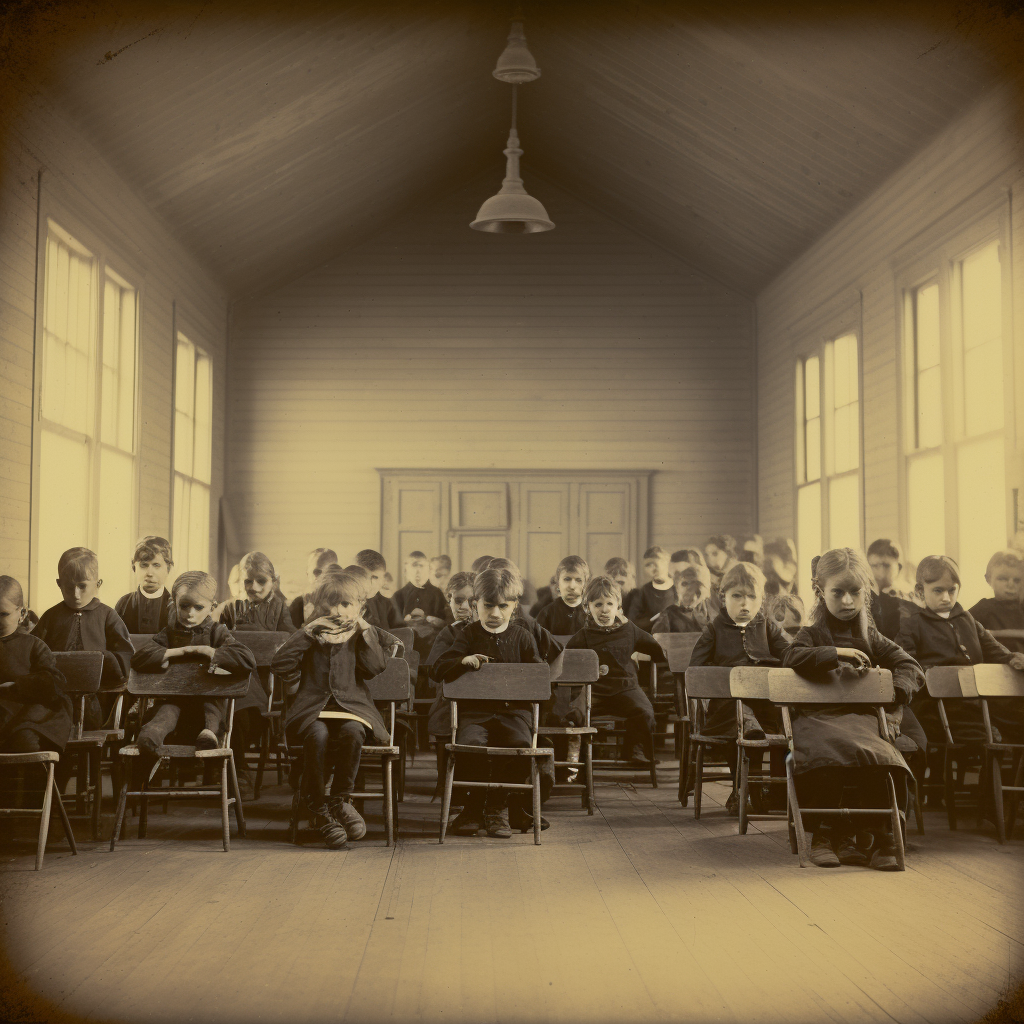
<point x="242" y="307"/>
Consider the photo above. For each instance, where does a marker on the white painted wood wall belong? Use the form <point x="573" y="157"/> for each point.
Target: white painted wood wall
<point x="431" y="345"/>
<point x="856" y="262"/>
<point x="77" y="178"/>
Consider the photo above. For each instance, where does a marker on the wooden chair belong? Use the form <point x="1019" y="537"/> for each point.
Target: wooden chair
<point x="573" y="669"/>
<point x="391" y="687"/>
<point x="943" y="683"/>
<point x="678" y="647"/>
<point x="995" y="682"/>
<point x="264" y="644"/>
<point x="498" y="683"/>
<point x="702" y="683"/>
<point x="83" y="673"/>
<point x="874" y="688"/>
<point x="185" y="679"/>
<point x="46" y="759"/>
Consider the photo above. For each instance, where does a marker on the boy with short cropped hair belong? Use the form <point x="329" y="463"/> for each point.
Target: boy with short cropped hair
<point x="81" y="622"/>
<point x="148" y="607"/>
<point x="720" y="556"/>
<point x="623" y="572"/>
<point x="659" y="590"/>
<point x="316" y="563"/>
<point x="419" y="594"/>
<point x="1003" y="610"/>
<point x="440" y="570"/>
<point x="689" y="612"/>
<point x="566" y="614"/>
<point x="886" y="561"/>
<point x="380" y="610"/>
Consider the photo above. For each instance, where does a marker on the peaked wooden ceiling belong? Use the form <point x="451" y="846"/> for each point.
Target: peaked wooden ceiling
<point x="271" y="140"/>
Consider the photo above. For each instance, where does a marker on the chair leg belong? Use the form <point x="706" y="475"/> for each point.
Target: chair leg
<point x="535" y="781"/>
<point x="225" y="820"/>
<point x="65" y="823"/>
<point x="897" y="825"/>
<point x="698" y="780"/>
<point x="1018" y="776"/>
<point x="744" y="774"/>
<point x="684" y="765"/>
<point x="446" y="799"/>
<point x="293" y="818"/>
<point x="996" y="768"/>
<point x="44" y="818"/>
<point x="261" y="764"/>
<point x="96" y="776"/>
<point x="802" y="850"/>
<point x="389" y="833"/>
<point x="122" y="800"/>
<point x="949" y="788"/>
<point x="588" y="772"/>
<point x="239" y="813"/>
<point x="918" y="788"/>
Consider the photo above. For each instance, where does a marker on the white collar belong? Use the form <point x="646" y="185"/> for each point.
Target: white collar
<point x="155" y="597"/>
<point x="502" y="630"/>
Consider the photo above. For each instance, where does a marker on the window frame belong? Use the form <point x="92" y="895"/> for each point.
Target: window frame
<point x="819" y="343"/>
<point x="59" y="220"/>
<point x="946" y="251"/>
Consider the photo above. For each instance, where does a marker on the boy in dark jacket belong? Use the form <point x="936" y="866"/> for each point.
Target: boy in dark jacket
<point x="620" y="646"/>
<point x="148" y="608"/>
<point x="324" y="667"/>
<point x="1003" y="610"/>
<point x="566" y="614"/>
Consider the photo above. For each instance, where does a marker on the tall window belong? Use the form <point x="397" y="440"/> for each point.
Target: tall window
<point x="828" y="451"/>
<point x="193" y="445"/>
<point x="85" y="491"/>
<point x="955" y="469"/>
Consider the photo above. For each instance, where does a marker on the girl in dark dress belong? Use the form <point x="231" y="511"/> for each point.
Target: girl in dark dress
<point x="839" y="753"/>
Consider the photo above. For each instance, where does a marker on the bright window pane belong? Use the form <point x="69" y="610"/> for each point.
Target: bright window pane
<point x="199" y="528"/>
<point x="184" y="407"/>
<point x="981" y="488"/>
<point x="808" y="531"/>
<point x="63" y="508"/>
<point x="812" y="388"/>
<point x="926" y="320"/>
<point x="929" y="408"/>
<point x="846" y="405"/>
<point x="844" y="512"/>
<point x="983" y="389"/>
<point x="812" y="446"/>
<point x="926" y="506"/>
<point x="203" y="419"/>
<point x="981" y="284"/>
<point x="119" y="352"/>
<point x="115" y="540"/>
<point x="179" y="526"/>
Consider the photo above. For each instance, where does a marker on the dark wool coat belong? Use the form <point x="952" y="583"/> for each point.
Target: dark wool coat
<point x="427" y="597"/>
<point x="271" y="615"/>
<point x="38" y="701"/>
<point x="561" y="620"/>
<point x="316" y="674"/>
<point x="674" y="619"/>
<point x="381" y="611"/>
<point x="614" y="646"/>
<point x="993" y="614"/>
<point x="142" y="614"/>
<point x="845" y="735"/>
<point x="648" y="602"/>
<point x="101" y="630"/>
<point x="887" y="612"/>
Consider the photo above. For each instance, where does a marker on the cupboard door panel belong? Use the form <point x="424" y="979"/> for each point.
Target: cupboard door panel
<point x="606" y="522"/>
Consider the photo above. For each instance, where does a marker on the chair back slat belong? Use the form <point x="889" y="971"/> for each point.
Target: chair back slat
<point x="704" y="681"/>
<point x="392" y="683"/>
<point x="82" y="670"/>
<point x="998" y="681"/>
<point x="943" y="682"/>
<point x="968" y="684"/>
<point x="1007" y="634"/>
<point x="749" y="682"/>
<point x="874" y="687"/>
<point x="264" y="644"/>
<point x="188" y="679"/>
<point x="575" y="666"/>
<point x="139" y="640"/>
<point x="677" y="647"/>
<point x="406" y="635"/>
<point x="563" y="640"/>
<point x="499" y="681"/>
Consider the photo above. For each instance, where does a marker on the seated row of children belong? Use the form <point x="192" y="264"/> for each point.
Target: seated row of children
<point x="933" y="629"/>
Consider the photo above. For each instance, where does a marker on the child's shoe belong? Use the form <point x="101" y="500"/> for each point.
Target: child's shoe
<point x="751" y="726"/>
<point x="350" y="818"/>
<point x="148" y="744"/>
<point x="850" y="852"/>
<point x="520" y="821"/>
<point x="496" y="823"/>
<point x="883" y="853"/>
<point x="732" y="804"/>
<point x="335" y="836"/>
<point x="822" y="853"/>
<point x="467" y="822"/>
<point x="639" y="759"/>
<point x="207" y="740"/>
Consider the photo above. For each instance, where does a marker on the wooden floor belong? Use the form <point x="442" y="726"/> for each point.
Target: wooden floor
<point x="637" y="913"/>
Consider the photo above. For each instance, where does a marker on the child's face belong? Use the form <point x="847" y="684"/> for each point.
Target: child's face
<point x="461" y="604"/>
<point x="570" y="586"/>
<point x="11" y="617"/>
<point x="940" y="595"/>
<point x="689" y="592"/>
<point x="387" y="585"/>
<point x="258" y="586"/>
<point x="375" y="583"/>
<point x="624" y="582"/>
<point x="314" y="570"/>
<point x="348" y="609"/>
<point x="151" y="573"/>
<point x="494" y="616"/>
<point x="604" y="609"/>
<point x="439" y="576"/>
<point x="656" y="570"/>
<point x="886" y="569"/>
<point x="844" y="596"/>
<point x="715" y="557"/>
<point x="1005" y="581"/>
<point x="417" y="572"/>
<point x="77" y="593"/>
<point x="742" y="604"/>
<point x="192" y="607"/>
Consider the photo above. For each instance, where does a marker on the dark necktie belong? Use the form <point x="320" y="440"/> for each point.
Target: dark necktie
<point x="74" y="641"/>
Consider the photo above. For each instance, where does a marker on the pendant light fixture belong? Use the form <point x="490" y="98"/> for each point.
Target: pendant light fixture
<point x="513" y="210"/>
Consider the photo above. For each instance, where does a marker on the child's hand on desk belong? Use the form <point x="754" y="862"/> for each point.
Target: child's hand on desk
<point x="204" y="650"/>
<point x="216" y="670"/>
<point x="638" y="657"/>
<point x="474" y="661"/>
<point x="858" y="660"/>
<point x="1017" y="662"/>
<point x="603" y="670"/>
<point x="434" y="620"/>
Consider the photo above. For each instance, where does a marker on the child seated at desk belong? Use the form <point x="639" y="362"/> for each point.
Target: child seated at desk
<point x="624" y="573"/>
<point x="567" y="614"/>
<point x="263" y="609"/>
<point x="302" y="607"/>
<point x="440" y="570"/>
<point x="194" y="636"/>
<point x="147" y="609"/>
<point x="324" y="668"/>
<point x="620" y="647"/>
<point x="1003" y="610"/>
<point x="657" y="593"/>
<point x="82" y="622"/>
<point x="380" y="609"/>
<point x="35" y="712"/>
<point x="419" y="598"/>
<point x="689" y="613"/>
